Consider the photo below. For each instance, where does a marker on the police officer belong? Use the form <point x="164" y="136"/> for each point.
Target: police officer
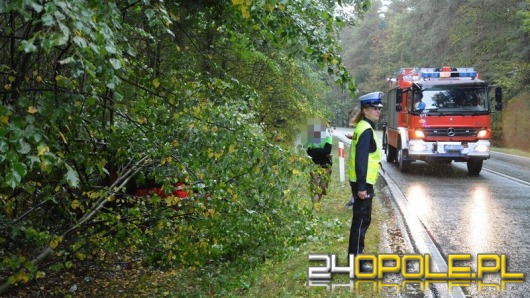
<point x="365" y="156"/>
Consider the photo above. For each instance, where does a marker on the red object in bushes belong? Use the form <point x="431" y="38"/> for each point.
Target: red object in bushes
<point x="179" y="192"/>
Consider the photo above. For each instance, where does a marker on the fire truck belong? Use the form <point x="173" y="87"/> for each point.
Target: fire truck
<point x="439" y="115"/>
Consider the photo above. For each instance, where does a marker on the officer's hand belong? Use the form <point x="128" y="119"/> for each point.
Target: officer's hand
<point x="362" y="194"/>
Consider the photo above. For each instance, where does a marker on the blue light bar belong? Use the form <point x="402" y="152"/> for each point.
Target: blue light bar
<point x="430" y="74"/>
<point x="471" y="74"/>
<point x="426" y="73"/>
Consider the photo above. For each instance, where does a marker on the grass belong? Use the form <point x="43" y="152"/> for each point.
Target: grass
<point x="287" y="277"/>
<point x="511" y="151"/>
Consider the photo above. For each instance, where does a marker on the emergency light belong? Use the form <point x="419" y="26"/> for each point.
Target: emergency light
<point x="447" y="72"/>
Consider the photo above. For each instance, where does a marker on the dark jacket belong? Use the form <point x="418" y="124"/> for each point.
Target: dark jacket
<point x="321" y="156"/>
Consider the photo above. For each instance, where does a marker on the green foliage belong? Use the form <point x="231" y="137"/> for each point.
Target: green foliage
<point x="525" y="16"/>
<point x="98" y="94"/>
<point x="284" y="275"/>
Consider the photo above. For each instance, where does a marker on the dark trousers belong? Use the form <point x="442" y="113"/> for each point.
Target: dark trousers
<point x="362" y="216"/>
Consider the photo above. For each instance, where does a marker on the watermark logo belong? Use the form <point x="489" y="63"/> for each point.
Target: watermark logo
<point x="413" y="268"/>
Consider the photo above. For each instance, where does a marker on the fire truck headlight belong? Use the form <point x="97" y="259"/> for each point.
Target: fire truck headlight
<point x="419" y="134"/>
<point x="482" y="133"/>
<point x="482" y="148"/>
<point x="418" y="147"/>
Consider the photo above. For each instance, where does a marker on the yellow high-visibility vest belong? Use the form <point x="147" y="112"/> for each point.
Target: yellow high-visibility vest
<point x="373" y="158"/>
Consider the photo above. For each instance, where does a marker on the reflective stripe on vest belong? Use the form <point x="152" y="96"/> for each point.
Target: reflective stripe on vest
<point x="373" y="158"/>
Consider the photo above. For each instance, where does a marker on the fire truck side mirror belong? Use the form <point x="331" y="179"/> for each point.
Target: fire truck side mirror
<point x="498" y="99"/>
<point x="399" y="97"/>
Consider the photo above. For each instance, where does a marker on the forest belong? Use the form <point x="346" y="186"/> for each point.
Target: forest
<point x="100" y="98"/>
<point x="491" y="36"/>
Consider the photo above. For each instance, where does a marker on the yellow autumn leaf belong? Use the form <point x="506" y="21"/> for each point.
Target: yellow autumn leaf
<point x="166" y="160"/>
<point x="55" y="242"/>
<point x="8" y="211"/>
<point x="175" y="17"/>
<point x="40" y="274"/>
<point x="196" y="111"/>
<point x="172" y="201"/>
<point x="38" y="79"/>
<point x="237" y="2"/>
<point x="32" y="110"/>
<point x="42" y="149"/>
<point x="4" y="120"/>
<point x="62" y="137"/>
<point x="244" y="11"/>
<point x="22" y="276"/>
<point x="156" y="83"/>
<point x="232" y="148"/>
<point x="75" y="204"/>
<point x="7" y="86"/>
<point x="210" y="212"/>
<point x="296" y="172"/>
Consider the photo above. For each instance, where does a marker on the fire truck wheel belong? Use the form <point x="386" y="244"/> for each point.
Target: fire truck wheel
<point x="474" y="166"/>
<point x="389" y="150"/>
<point x="391" y="154"/>
<point x="404" y="165"/>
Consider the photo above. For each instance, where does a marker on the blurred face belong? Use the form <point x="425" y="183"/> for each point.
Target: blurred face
<point x="372" y="113"/>
<point x="315" y="131"/>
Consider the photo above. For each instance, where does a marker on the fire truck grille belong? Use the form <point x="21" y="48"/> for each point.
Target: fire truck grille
<point x="450" y="132"/>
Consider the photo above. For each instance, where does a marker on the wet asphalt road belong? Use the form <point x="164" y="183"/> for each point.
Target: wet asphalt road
<point x="471" y="215"/>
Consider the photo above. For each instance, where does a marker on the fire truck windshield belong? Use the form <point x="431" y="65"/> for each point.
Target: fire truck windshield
<point x="451" y="100"/>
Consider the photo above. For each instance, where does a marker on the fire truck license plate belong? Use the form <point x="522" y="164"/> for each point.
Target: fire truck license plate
<point x="453" y="147"/>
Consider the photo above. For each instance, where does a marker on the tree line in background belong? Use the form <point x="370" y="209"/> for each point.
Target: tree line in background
<point x="99" y="96"/>
<point x="491" y="36"/>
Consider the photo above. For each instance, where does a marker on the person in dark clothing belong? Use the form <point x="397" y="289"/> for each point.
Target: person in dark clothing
<point x="319" y="145"/>
<point x="365" y="157"/>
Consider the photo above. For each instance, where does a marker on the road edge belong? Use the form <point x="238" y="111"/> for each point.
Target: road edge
<point x="420" y="239"/>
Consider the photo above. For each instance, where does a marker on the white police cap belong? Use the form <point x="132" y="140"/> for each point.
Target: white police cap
<point x="373" y="99"/>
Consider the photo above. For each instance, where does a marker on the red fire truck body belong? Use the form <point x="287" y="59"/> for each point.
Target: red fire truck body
<point x="439" y="115"/>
